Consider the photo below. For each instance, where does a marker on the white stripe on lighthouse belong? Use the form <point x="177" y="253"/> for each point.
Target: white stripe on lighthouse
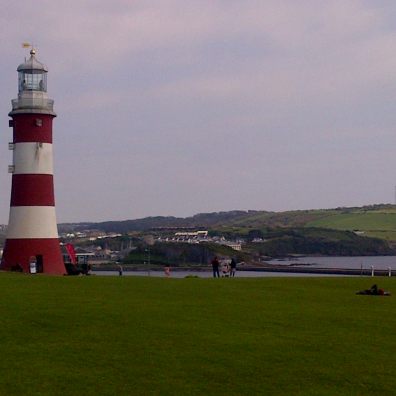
<point x="33" y="158"/>
<point x="32" y="222"/>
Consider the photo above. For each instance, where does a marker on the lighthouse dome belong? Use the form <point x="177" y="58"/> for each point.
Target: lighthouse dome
<point x="32" y="64"/>
<point x="32" y="75"/>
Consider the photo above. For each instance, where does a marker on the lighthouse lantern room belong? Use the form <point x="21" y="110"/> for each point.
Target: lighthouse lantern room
<point x="32" y="242"/>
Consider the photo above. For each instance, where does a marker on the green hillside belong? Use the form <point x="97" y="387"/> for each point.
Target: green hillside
<point x="375" y="220"/>
<point x="318" y="241"/>
<point x="380" y="224"/>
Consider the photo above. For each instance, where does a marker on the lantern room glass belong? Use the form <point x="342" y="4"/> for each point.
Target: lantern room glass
<point x="32" y="80"/>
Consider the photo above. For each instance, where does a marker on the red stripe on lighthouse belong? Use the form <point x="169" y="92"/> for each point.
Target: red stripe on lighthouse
<point x="32" y="190"/>
<point x="27" y="128"/>
<point x="19" y="252"/>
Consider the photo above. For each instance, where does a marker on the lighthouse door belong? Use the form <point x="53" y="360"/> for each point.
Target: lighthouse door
<point x="39" y="263"/>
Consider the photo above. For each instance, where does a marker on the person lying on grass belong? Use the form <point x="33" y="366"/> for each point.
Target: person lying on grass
<point x="374" y="291"/>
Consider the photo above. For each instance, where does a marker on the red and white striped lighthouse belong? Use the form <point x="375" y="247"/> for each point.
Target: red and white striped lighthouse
<point x="32" y="243"/>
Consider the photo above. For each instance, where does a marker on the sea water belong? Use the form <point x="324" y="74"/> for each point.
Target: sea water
<point x="358" y="262"/>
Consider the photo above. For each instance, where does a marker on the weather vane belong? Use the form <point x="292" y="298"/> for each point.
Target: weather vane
<point x="28" y="45"/>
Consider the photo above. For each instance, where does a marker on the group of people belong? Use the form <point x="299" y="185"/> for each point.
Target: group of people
<point x="227" y="269"/>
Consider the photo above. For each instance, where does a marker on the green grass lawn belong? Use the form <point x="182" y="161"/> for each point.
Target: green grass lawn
<point x="155" y="336"/>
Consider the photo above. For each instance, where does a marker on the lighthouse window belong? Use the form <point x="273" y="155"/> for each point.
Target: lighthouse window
<point x="32" y="81"/>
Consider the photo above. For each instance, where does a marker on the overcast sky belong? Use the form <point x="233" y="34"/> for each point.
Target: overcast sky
<point x="176" y="107"/>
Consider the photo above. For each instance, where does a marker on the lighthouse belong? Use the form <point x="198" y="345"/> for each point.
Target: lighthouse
<point x="32" y="242"/>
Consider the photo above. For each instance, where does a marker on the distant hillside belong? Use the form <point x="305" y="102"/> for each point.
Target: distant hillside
<point x="378" y="222"/>
<point x="235" y="219"/>
<point x="148" y="223"/>
<point x="319" y="241"/>
<point x="375" y="220"/>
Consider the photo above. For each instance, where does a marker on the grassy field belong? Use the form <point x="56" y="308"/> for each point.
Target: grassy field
<point x="154" y="336"/>
<point x="358" y="221"/>
<point x="375" y="221"/>
<point x="378" y="224"/>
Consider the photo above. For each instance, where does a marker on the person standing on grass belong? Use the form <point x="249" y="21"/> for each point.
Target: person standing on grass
<point x="215" y="267"/>
<point x="233" y="265"/>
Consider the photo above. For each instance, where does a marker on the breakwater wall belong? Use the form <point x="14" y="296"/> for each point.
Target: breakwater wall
<point x="324" y="271"/>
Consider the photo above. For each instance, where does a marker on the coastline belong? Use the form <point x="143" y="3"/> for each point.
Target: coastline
<point x="261" y="268"/>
